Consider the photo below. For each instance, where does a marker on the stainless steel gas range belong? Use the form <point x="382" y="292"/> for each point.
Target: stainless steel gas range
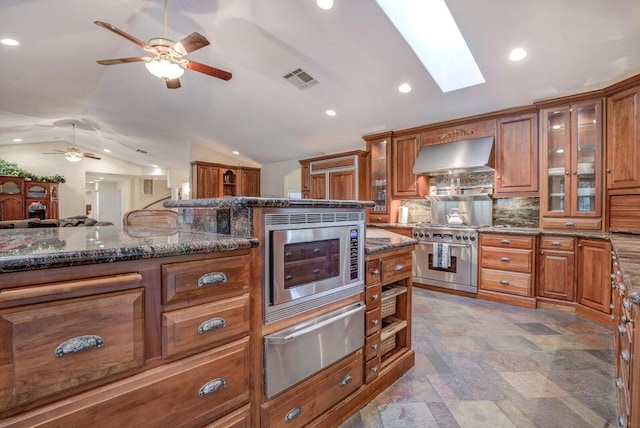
<point x="446" y="256"/>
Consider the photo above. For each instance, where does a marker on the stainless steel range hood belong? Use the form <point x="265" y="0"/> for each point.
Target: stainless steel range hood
<point x="466" y="156"/>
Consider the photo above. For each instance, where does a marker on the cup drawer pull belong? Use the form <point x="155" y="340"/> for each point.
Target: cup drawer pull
<point x="556" y="243"/>
<point x="212" y="386"/>
<point x="79" y="343"/>
<point x="292" y="414"/>
<point x="212" y="324"/>
<point x="399" y="267"/>
<point x="505" y="241"/>
<point x="212" y="278"/>
<point x="505" y="259"/>
<point x="504" y="282"/>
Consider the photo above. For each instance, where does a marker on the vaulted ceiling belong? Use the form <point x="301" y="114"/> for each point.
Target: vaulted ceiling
<point x="356" y="55"/>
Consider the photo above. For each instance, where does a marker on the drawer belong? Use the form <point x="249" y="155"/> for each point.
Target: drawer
<point x="372" y="296"/>
<point x="203" y="325"/>
<point x="190" y="280"/>
<point x="372" y="272"/>
<point x="557" y="243"/>
<point x="186" y="393"/>
<point x="372" y="321"/>
<point x="571" y="223"/>
<point x="303" y="403"/>
<point x="396" y="267"/>
<point x="506" y="282"/>
<point x="371" y="369"/>
<point x="372" y="346"/>
<point x="375" y="217"/>
<point x="241" y="418"/>
<point x="506" y="241"/>
<point x="513" y="260"/>
<point x="53" y="347"/>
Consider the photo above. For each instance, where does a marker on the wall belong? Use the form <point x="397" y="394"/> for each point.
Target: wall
<point x="272" y="177"/>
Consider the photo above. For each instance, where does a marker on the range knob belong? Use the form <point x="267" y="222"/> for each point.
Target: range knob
<point x="426" y="234"/>
<point x="421" y="234"/>
<point x="458" y="237"/>
<point x="465" y="237"/>
<point x="415" y="234"/>
<point x="472" y="238"/>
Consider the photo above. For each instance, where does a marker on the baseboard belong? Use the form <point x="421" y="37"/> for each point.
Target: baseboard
<point x="509" y="299"/>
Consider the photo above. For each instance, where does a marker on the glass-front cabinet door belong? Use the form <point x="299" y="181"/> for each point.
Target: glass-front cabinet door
<point x="558" y="155"/>
<point x="379" y="148"/>
<point x="572" y="160"/>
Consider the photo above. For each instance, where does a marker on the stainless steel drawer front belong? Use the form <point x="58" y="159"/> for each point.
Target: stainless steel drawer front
<point x="297" y="352"/>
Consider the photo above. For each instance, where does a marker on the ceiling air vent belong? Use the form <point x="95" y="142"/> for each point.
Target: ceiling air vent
<point x="142" y="151"/>
<point x="300" y="79"/>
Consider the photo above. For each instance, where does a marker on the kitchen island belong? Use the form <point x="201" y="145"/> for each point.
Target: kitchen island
<point x="170" y="319"/>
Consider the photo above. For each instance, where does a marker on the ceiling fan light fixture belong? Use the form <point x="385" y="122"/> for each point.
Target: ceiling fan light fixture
<point x="164" y="69"/>
<point x="73" y="156"/>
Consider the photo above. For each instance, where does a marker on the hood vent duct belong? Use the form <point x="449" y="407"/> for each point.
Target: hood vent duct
<point x="466" y="156"/>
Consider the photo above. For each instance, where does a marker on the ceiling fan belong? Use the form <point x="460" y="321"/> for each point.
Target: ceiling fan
<point x="166" y="58"/>
<point x="72" y="154"/>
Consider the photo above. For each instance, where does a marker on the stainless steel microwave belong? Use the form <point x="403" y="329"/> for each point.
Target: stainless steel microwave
<point x="311" y="259"/>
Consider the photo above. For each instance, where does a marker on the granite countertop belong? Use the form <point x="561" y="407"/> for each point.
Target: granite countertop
<point x="534" y="231"/>
<point x="379" y="240"/>
<point x="393" y="225"/>
<point x="254" y="202"/>
<point x="41" y="248"/>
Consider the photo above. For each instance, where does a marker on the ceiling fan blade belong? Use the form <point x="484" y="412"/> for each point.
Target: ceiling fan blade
<point x="173" y="83"/>
<point x="211" y="71"/>
<point x="123" y="60"/>
<point x="91" y="156"/>
<point x="192" y="42"/>
<point x="119" y="32"/>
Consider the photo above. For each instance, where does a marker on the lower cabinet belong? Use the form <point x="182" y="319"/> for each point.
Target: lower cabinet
<point x="594" y="270"/>
<point x="556" y="271"/>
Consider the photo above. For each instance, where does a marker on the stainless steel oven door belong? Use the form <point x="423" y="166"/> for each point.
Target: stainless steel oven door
<point x="310" y="261"/>
<point x="458" y="275"/>
<point x="297" y="352"/>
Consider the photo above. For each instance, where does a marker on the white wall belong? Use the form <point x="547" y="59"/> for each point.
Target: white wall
<point x="107" y="208"/>
<point x="272" y="177"/>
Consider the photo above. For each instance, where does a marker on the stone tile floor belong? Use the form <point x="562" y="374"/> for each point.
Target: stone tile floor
<point x="485" y="364"/>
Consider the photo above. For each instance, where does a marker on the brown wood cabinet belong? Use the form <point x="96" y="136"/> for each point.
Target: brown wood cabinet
<point x="340" y="176"/>
<point x="20" y="199"/>
<point x="506" y="264"/>
<point x="594" y="270"/>
<point x="556" y="278"/>
<point x="571" y="161"/>
<point x="212" y="180"/>
<point x="626" y="338"/>
<point x="11" y="198"/>
<point x="623" y="139"/>
<point x="405" y="184"/>
<point x="160" y="342"/>
<point x="516" y="155"/>
<point x="379" y="148"/>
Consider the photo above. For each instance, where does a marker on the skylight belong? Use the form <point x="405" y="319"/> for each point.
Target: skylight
<point x="430" y="30"/>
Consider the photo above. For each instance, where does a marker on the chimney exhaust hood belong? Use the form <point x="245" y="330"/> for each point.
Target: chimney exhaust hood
<point x="466" y="156"/>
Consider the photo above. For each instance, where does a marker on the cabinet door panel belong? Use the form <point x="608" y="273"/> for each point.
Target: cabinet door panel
<point x="318" y="186"/>
<point x="623" y="140"/>
<point x="342" y="185"/>
<point x="517" y="154"/>
<point x="594" y="270"/>
<point x="405" y="151"/>
<point x="11" y="208"/>
<point x="557" y="275"/>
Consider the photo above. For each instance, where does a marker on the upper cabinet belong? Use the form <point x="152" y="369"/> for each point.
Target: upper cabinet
<point x="379" y="148"/>
<point x="405" y="184"/>
<point x="623" y="139"/>
<point x="340" y="176"/>
<point x="571" y="164"/>
<point x="516" y="154"/>
<point x="212" y="180"/>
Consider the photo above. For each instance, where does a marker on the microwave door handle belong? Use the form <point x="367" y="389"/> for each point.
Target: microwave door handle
<point x="285" y="338"/>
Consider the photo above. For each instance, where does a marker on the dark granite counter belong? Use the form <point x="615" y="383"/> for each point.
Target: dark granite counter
<point x="253" y="202"/>
<point x="392" y="225"/>
<point x="535" y="231"/>
<point x="41" y="248"/>
<point x="379" y="240"/>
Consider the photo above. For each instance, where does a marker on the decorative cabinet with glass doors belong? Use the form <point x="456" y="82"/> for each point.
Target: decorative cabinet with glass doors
<point x="571" y="158"/>
<point x="379" y="148"/>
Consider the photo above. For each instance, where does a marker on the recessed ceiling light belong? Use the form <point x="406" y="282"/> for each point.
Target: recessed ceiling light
<point x="17" y="140"/>
<point x="331" y="113"/>
<point x="9" y="42"/>
<point x="518" y="54"/>
<point x="433" y="35"/>
<point x="107" y="151"/>
<point x="325" y="4"/>
<point x="100" y="178"/>
<point x="404" y="88"/>
<point x="235" y="152"/>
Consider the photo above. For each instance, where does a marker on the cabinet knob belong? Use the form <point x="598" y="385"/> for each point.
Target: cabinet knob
<point x="374" y="346"/>
<point x="376" y="272"/>
<point x="619" y="383"/>
<point x="625" y="355"/>
<point x="375" y="321"/>
<point x="374" y="369"/>
<point x="609" y="170"/>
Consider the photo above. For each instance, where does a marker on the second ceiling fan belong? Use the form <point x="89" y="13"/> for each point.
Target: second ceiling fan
<point x="166" y="58"/>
